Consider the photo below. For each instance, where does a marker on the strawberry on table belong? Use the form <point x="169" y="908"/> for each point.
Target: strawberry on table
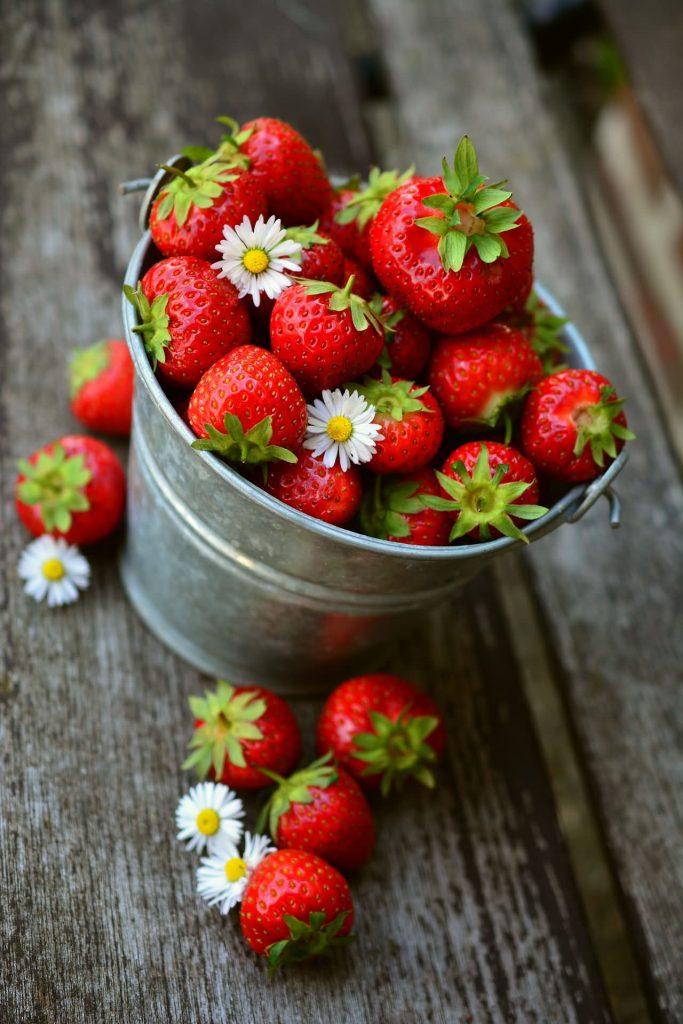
<point x="296" y="907"/>
<point x="320" y="258"/>
<point x="188" y="215"/>
<point x="101" y="387"/>
<point x="573" y="425"/>
<point x="189" y="318"/>
<point x="73" y="488"/>
<point x="325" y="492"/>
<point x="489" y="487"/>
<point x="321" y="809"/>
<point x="410" y="419"/>
<point x="248" y="408"/>
<point x="324" y="335"/>
<point x="477" y="377"/>
<point x="407" y="342"/>
<point x="238" y="731"/>
<point x="382" y="730"/>
<point x="455" y="251"/>
<point x="393" y="510"/>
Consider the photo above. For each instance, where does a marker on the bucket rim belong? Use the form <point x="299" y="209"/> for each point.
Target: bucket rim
<point x="559" y="512"/>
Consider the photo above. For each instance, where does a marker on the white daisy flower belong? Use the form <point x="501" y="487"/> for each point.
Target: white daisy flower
<point x="253" y="258"/>
<point x="340" y="427"/>
<point x="223" y="877"/>
<point x="209" y="815"/>
<point x="53" y="569"/>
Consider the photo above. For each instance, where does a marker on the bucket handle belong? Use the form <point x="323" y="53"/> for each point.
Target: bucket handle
<point x="599" y="487"/>
<point x="151" y="186"/>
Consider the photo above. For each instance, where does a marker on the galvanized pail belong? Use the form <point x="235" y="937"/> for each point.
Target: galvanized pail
<point x="246" y="588"/>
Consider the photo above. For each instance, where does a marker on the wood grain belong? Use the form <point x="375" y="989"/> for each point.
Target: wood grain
<point x="612" y="601"/>
<point x="468" y="911"/>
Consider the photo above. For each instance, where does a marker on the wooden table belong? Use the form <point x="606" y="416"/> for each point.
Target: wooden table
<point x="559" y="672"/>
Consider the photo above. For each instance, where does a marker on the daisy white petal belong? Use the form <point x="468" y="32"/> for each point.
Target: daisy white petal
<point x="53" y="569"/>
<point x="223" y="877"/>
<point x="208" y="816"/>
<point x="253" y="258"/>
<point x="340" y="426"/>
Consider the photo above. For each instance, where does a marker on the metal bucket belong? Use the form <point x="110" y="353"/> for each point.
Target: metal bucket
<point x="246" y="588"/>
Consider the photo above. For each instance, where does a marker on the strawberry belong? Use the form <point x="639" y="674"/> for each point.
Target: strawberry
<point x="407" y="343"/>
<point x="324" y="334"/>
<point x="295" y="907"/>
<point x="188" y="215"/>
<point x="410" y="420"/>
<point x="364" y="283"/>
<point x="477" y="376"/>
<point x="345" y="234"/>
<point x="321" y="258"/>
<point x="361" y="206"/>
<point x="541" y="328"/>
<point x="101" y="387"/>
<point x="321" y="809"/>
<point x="189" y="317"/>
<point x="394" y="511"/>
<point x="73" y="488"/>
<point x="485" y="484"/>
<point x="248" y="408"/>
<point x="324" y="492"/>
<point x="238" y="731"/>
<point x="571" y="422"/>
<point x="464" y="263"/>
<point x="289" y="172"/>
<point x="382" y="730"/>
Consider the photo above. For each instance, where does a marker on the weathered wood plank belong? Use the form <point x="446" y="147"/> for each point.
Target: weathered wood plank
<point x="468" y="910"/>
<point x="612" y="601"/>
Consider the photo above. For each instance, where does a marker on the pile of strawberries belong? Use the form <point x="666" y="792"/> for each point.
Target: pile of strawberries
<point x="409" y="301"/>
<point x="375" y="732"/>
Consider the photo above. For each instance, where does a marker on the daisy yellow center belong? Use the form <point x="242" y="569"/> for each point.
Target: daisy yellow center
<point x="53" y="570"/>
<point x="255" y="261"/>
<point x="339" y="428"/>
<point x="208" y="821"/>
<point x="235" y="868"/>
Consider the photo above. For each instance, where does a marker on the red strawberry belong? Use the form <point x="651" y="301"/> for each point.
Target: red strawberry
<point x="410" y="420"/>
<point x="345" y="233"/>
<point x="101" y="387"/>
<point x="238" y="731"/>
<point x="189" y="317"/>
<point x="489" y="487"/>
<point x="360" y="208"/>
<point x="364" y="283"/>
<point x="321" y="809"/>
<point x="248" y="408"/>
<point x="73" y="488"/>
<point x="571" y="421"/>
<point x="465" y="262"/>
<point x="476" y="377"/>
<point x="321" y="258"/>
<point x="407" y="345"/>
<point x="189" y="213"/>
<point x="541" y="328"/>
<point x="393" y="510"/>
<point x="324" y="492"/>
<point x="382" y="730"/>
<point x="325" y="335"/>
<point x="295" y="907"/>
<point x="291" y="175"/>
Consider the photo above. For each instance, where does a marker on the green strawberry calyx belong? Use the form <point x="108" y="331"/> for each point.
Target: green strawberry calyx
<point x="295" y="790"/>
<point x="362" y="313"/>
<point x="154" y="321"/>
<point x="229" y="149"/>
<point x="398" y="749"/>
<point x="87" y="364"/>
<point x="55" y="483"/>
<point x="482" y="500"/>
<point x="246" y="446"/>
<point x="363" y="207"/>
<point x="307" y="939"/>
<point x="391" y="320"/>
<point x="391" y="398"/>
<point x="596" y="426"/>
<point x="543" y="329"/>
<point x="469" y="212"/>
<point x="227" y="720"/>
<point x="384" y="509"/>
<point x="198" y="186"/>
<point x="307" y="237"/>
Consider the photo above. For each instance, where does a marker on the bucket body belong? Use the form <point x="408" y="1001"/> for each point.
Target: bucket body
<point x="248" y="589"/>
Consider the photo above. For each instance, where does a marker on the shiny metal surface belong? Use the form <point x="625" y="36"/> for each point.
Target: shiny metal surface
<point x="246" y="588"/>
